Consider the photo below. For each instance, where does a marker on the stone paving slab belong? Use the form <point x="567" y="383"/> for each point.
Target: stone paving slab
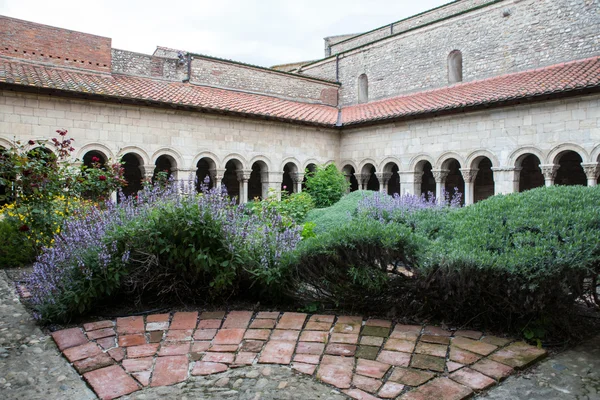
<point x="362" y="359"/>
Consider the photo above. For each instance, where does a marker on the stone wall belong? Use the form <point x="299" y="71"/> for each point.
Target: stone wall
<point x="225" y="74"/>
<point x="444" y="11"/>
<point x="37" y="42"/>
<point x="502" y="134"/>
<point x="535" y="33"/>
<point x="131" y="63"/>
<point x="150" y="132"/>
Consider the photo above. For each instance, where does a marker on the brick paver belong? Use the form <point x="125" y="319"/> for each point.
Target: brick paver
<point x="365" y="359"/>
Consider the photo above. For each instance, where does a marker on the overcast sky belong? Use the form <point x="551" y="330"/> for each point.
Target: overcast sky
<point x="262" y="32"/>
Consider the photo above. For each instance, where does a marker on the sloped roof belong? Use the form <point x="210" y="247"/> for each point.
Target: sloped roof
<point x="559" y="78"/>
<point x="571" y="77"/>
<point x="160" y="91"/>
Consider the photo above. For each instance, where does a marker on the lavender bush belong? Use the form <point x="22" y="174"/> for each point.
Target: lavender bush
<point x="164" y="240"/>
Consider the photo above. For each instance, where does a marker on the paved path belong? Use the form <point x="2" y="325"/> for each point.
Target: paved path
<point x="245" y="355"/>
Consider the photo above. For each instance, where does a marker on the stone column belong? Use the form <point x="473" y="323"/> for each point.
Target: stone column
<point x="147" y="171"/>
<point x="271" y="180"/>
<point x="348" y="176"/>
<point x="182" y="177"/>
<point x="216" y="175"/>
<point x="549" y="172"/>
<point x="410" y="183"/>
<point x="592" y="171"/>
<point x="506" y="179"/>
<point x="360" y="179"/>
<point x="243" y="177"/>
<point x="469" y="176"/>
<point x="298" y="179"/>
<point x="384" y="179"/>
<point x="440" y="176"/>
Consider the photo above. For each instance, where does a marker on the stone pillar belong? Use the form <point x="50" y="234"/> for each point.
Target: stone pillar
<point x="384" y="179"/>
<point x="549" y="172"/>
<point x="348" y="176"/>
<point x="469" y="176"/>
<point x="216" y="175"/>
<point x="506" y="179"/>
<point x="360" y="179"/>
<point x="440" y="176"/>
<point x="243" y="177"/>
<point x="592" y="171"/>
<point x="298" y="179"/>
<point x="147" y="172"/>
<point x="410" y="183"/>
<point x="185" y="179"/>
<point x="271" y="180"/>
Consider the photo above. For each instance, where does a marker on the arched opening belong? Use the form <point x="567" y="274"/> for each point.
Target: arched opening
<point x="230" y="178"/>
<point x="132" y="173"/>
<point x="393" y="183"/>
<point x="371" y="178"/>
<point x="484" y="180"/>
<point x="203" y="167"/>
<point x="44" y="154"/>
<point x="455" y="67"/>
<point x="454" y="181"/>
<point x="310" y="168"/>
<point x="6" y="189"/>
<point x="164" y="164"/>
<point x="93" y="156"/>
<point x="257" y="182"/>
<point x="427" y="180"/>
<point x="287" y="183"/>
<point x="570" y="172"/>
<point x="349" y="171"/>
<point x="530" y="176"/>
<point x="363" y="89"/>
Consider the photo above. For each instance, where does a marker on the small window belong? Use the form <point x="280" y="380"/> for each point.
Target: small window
<point x="363" y="89"/>
<point x="455" y="73"/>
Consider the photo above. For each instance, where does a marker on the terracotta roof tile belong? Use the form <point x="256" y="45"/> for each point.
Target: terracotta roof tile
<point x="146" y="89"/>
<point x="564" y="77"/>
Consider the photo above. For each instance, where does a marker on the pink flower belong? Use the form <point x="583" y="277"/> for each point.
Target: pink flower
<point x="95" y="159"/>
<point x="102" y="177"/>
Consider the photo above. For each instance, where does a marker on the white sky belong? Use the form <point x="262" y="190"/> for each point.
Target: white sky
<point x="264" y="32"/>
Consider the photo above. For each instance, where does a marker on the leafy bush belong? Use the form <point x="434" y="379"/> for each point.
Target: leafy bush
<point x="326" y="185"/>
<point x="504" y="261"/>
<point x="350" y="264"/>
<point x="293" y="207"/>
<point x="15" y="250"/>
<point x="166" y="241"/>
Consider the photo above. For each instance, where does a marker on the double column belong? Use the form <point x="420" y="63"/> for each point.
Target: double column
<point x="384" y="179"/>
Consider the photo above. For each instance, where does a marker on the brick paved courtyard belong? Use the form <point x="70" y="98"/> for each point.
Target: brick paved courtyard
<point x="365" y="359"/>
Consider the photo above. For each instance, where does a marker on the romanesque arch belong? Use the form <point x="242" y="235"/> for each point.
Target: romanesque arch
<point x="483" y="181"/>
<point x="95" y="147"/>
<point x="349" y="172"/>
<point x="391" y="178"/>
<point x="165" y="163"/>
<point x="133" y="166"/>
<point x="309" y="167"/>
<point x="425" y="184"/>
<point x="258" y="182"/>
<point x="233" y="171"/>
<point x="530" y="173"/>
<point x="453" y="182"/>
<point x="205" y="173"/>
<point x="88" y="158"/>
<point x="289" y="178"/>
<point x="570" y="171"/>
<point x="455" y="66"/>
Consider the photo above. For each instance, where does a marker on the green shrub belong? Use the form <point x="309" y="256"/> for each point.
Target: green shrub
<point x="338" y="214"/>
<point x="350" y="264"/>
<point x="326" y="185"/>
<point x="293" y="207"/>
<point x="15" y="248"/>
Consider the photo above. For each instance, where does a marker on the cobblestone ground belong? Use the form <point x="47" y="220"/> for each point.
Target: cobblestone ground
<point x="31" y="367"/>
<point x="245" y="355"/>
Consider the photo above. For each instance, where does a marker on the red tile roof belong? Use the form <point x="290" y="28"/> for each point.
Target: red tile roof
<point x="559" y="78"/>
<point x="159" y="91"/>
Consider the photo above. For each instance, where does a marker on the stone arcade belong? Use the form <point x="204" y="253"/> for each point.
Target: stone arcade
<point x="489" y="96"/>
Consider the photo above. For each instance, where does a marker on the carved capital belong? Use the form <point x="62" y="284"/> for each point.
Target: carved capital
<point x="297" y="177"/>
<point x="549" y="171"/>
<point x="216" y="174"/>
<point x="440" y="175"/>
<point x="243" y="175"/>
<point x="383" y="177"/>
<point x="147" y="170"/>
<point x="468" y="174"/>
<point x="361" y="178"/>
<point x="592" y="170"/>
